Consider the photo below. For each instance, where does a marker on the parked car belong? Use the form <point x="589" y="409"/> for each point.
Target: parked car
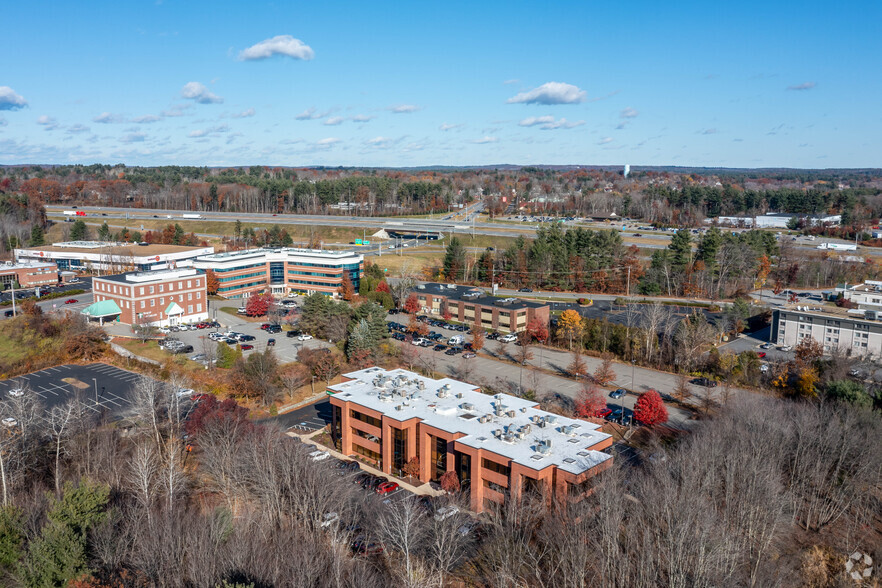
<point x="16" y="392"/>
<point x="618" y="393"/>
<point x="270" y="342"/>
<point x="508" y="338"/>
<point x="71" y="301"/>
<point x="766" y="346"/>
<point x="304" y="337"/>
<point x="399" y="336"/>
<point x="445" y="512"/>
<point x="469" y="355"/>
<point x="387" y="487"/>
<point x="785" y="348"/>
<point x="319" y="455"/>
<point x="247" y="347"/>
<point x="329" y="519"/>
<point x="292" y="334"/>
<point x="706" y="382"/>
<point x="245" y="337"/>
<point x="9" y="313"/>
<point x="602" y="414"/>
<point x="439" y="347"/>
<point x="761" y="354"/>
<point x="453" y="351"/>
<point x="9" y="422"/>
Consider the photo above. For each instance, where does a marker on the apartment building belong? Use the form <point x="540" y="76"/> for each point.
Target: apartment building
<point x="109" y="256"/>
<point x="498" y="446"/>
<point x="465" y="303"/>
<point x="160" y="298"/>
<point x="855" y="332"/>
<point x="28" y="274"/>
<point x="282" y="271"/>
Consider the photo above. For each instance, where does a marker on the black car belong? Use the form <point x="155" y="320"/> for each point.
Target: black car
<point x="398" y="336"/>
<point x="182" y="349"/>
<point x="492" y="336"/>
<point x="453" y="351"/>
<point x="706" y="382"/>
<point x="274" y="329"/>
<point x="525" y="290"/>
<point x="8" y="313"/>
<point x="270" y="342"/>
<point x="434" y="336"/>
<point x="246" y="337"/>
<point x="439" y="347"/>
<point x="292" y="334"/>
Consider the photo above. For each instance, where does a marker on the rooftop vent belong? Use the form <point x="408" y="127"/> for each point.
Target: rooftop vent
<point x="569" y="460"/>
<point x="421" y="385"/>
<point x="582" y="454"/>
<point x="459" y="394"/>
<point x="510" y="414"/>
<point x="467" y="406"/>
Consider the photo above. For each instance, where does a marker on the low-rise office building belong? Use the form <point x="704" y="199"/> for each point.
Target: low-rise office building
<point x="282" y="271"/>
<point x="498" y="446"/>
<point x="110" y="256"/>
<point x="160" y="298"/>
<point x="854" y="332"/>
<point x="465" y="303"/>
<point x="28" y="274"/>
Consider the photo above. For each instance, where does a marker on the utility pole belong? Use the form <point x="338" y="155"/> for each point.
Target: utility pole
<point x="628" y="284"/>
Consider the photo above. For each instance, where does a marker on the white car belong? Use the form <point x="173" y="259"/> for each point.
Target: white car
<point x="16" y="392"/>
<point x="329" y="519"/>
<point x="418" y="341"/>
<point x="319" y="455"/>
<point x="9" y="422"/>
<point x="785" y="348"/>
<point x="304" y="337"/>
<point x="764" y="368"/>
<point x="508" y="338"/>
<point x="445" y="512"/>
<point x="185" y="392"/>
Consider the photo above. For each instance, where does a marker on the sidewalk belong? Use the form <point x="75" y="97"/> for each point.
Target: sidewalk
<point x="423" y="490"/>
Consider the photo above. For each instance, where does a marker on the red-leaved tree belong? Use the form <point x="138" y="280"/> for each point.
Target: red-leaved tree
<point x="258" y="305"/>
<point x="650" y="410"/>
<point x="449" y="482"/>
<point x="346" y="290"/>
<point x="211" y="409"/>
<point x="211" y="282"/>
<point x="590" y="402"/>
<point x="411" y="305"/>
<point x="538" y="330"/>
<point x="384" y="287"/>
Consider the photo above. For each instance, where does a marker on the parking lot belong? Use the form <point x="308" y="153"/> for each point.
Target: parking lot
<point x="99" y="386"/>
<point x="303" y="420"/>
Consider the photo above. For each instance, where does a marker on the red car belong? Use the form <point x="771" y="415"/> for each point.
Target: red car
<point x="602" y="414"/>
<point x="247" y="346"/>
<point x="264" y="326"/>
<point x="761" y="354"/>
<point x="387" y="487"/>
<point x="71" y="301"/>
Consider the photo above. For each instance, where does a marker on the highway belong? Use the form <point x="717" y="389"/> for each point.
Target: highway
<point x="457" y="222"/>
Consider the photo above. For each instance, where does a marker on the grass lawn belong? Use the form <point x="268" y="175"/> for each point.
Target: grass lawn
<point x="10" y="350"/>
<point x="150" y="349"/>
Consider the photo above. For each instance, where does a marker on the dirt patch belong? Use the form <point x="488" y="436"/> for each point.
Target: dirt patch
<point x="75" y="383"/>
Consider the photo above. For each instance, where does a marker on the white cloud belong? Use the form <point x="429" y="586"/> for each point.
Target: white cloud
<point x="548" y="123"/>
<point x="628" y="113"/>
<point x="109" y="118"/>
<point x="512" y="81"/>
<point x="133" y="138"/>
<point x="279" y="45"/>
<point x="333" y="121"/>
<point x="380" y="142"/>
<point x="550" y="93"/>
<point x="9" y="100"/>
<point x="802" y="86"/>
<point x="449" y="127"/>
<point x="308" y="114"/>
<point x="49" y="123"/>
<point x="362" y="118"/>
<point x="605" y="140"/>
<point x="484" y="140"/>
<point x="404" y="108"/>
<point x="176" y="110"/>
<point x="199" y="93"/>
<point x="244" y="114"/>
<point x="77" y="128"/>
<point x="209" y="131"/>
<point x="146" y="119"/>
<point x="327" y="142"/>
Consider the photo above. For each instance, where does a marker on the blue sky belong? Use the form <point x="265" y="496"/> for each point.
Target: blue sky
<point x="749" y="84"/>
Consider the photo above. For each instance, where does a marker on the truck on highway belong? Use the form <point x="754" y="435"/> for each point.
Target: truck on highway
<point x="837" y="247"/>
<point x="191" y="216"/>
<point x="70" y="213"/>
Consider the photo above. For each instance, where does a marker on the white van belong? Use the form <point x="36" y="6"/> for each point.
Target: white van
<point x="508" y="338"/>
<point x="455" y="340"/>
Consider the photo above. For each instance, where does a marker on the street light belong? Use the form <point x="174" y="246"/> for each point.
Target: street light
<point x="95" y="381"/>
<point x="313" y="385"/>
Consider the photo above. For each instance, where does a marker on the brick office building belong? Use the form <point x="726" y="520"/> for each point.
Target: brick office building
<point x="161" y="298"/>
<point x="281" y="271"/>
<point x="499" y="446"/>
<point x="28" y="274"/>
<point x="464" y="303"/>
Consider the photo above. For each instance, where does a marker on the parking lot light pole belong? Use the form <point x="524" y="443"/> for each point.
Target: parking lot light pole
<point x="95" y="381"/>
<point x="313" y="385"/>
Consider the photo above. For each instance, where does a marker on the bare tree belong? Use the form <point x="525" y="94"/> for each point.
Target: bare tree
<point x="403" y="528"/>
<point x="143" y="469"/>
<point x="60" y="418"/>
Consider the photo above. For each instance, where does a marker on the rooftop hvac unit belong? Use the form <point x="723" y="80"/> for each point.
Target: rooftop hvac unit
<point x="421" y="385"/>
<point x="526" y="429"/>
<point x="467" y="406"/>
<point x="459" y="394"/>
<point x="497" y="433"/>
<point x="510" y="414"/>
<point x="551" y="419"/>
<point x="483" y="419"/>
<point x="871" y="315"/>
<point x="399" y="407"/>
